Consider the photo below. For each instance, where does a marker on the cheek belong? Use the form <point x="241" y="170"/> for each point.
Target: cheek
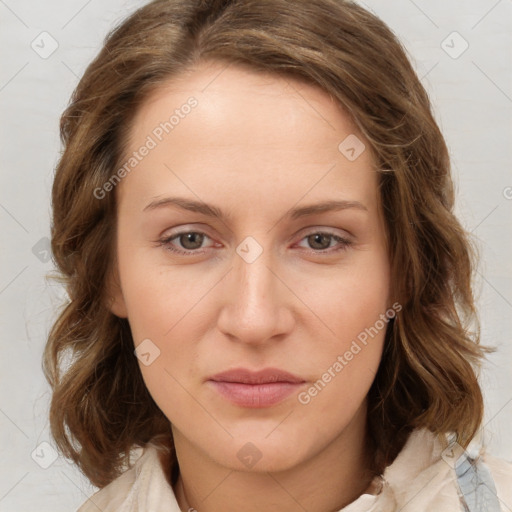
<point x="351" y="299"/>
<point x="166" y="307"/>
<point x="345" y="364"/>
<point x="352" y="307"/>
<point x="159" y="300"/>
<point x="162" y="307"/>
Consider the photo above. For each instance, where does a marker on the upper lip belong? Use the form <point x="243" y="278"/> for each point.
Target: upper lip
<point x="245" y="376"/>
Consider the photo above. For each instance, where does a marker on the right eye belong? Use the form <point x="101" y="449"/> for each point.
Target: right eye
<point x="190" y="241"/>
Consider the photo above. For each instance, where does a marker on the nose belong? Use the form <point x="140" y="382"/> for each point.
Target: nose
<point x="256" y="305"/>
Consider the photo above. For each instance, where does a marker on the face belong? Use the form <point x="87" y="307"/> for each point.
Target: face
<point x="250" y="236"/>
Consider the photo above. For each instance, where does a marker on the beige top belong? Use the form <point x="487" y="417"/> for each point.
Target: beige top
<point x="421" y="478"/>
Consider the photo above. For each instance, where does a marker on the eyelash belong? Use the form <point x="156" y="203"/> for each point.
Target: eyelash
<point x="166" y="243"/>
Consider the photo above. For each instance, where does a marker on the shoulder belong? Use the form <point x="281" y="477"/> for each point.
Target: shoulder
<point x="114" y="495"/>
<point x="143" y="486"/>
<point x="501" y="472"/>
<point x="430" y="472"/>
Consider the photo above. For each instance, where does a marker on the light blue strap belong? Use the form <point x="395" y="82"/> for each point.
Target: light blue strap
<point x="476" y="485"/>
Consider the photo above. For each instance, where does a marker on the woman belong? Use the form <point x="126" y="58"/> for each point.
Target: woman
<point x="270" y="297"/>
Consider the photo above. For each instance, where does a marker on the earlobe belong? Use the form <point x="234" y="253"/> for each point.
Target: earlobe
<point x="118" y="306"/>
<point x="115" y="298"/>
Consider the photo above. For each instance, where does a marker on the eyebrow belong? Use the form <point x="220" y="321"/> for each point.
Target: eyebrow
<point x="213" y="211"/>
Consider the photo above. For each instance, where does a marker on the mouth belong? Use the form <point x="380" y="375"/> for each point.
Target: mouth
<point x="263" y="388"/>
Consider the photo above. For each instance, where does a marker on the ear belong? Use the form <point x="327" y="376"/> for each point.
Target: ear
<point x="114" y="294"/>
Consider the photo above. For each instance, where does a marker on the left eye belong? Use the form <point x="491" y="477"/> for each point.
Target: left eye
<point x="320" y="239"/>
<point x="191" y="241"/>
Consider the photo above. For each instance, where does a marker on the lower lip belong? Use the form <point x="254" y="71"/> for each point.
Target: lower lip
<point x="255" y="395"/>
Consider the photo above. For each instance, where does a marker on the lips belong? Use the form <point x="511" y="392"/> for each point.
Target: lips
<point x="263" y="388"/>
<point x="265" y="376"/>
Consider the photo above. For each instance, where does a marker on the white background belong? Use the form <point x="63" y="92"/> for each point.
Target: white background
<point x="472" y="96"/>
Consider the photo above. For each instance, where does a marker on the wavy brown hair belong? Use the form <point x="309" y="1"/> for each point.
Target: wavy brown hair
<point x="100" y="408"/>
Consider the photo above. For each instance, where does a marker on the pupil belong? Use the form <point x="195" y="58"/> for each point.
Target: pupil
<point x="317" y="237"/>
<point x="189" y="237"/>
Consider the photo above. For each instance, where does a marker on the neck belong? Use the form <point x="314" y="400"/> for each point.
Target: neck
<point x="326" y="482"/>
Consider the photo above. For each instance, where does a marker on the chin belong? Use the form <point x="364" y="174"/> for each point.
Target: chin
<point x="260" y="455"/>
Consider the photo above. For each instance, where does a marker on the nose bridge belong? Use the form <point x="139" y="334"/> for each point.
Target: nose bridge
<point x="254" y="282"/>
<point x="253" y="310"/>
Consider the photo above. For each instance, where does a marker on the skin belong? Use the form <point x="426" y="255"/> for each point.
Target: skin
<point x="256" y="146"/>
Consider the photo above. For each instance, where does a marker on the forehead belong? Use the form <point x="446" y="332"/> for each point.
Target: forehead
<point x="232" y="96"/>
<point x="248" y="131"/>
